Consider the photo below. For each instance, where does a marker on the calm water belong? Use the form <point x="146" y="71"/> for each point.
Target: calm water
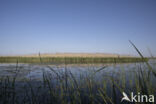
<point x="35" y="72"/>
<point x="98" y="74"/>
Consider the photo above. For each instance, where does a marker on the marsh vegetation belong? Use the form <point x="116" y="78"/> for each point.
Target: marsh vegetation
<point x="68" y="81"/>
<point x="74" y="83"/>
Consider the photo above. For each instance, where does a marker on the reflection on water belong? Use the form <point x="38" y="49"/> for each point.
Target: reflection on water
<point x="89" y="78"/>
<point x="35" y="72"/>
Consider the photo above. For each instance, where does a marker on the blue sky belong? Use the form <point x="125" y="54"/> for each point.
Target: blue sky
<point x="49" y="26"/>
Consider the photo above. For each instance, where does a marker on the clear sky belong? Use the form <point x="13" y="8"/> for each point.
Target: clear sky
<point x="105" y="26"/>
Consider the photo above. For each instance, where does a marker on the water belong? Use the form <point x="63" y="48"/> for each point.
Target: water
<point x="98" y="75"/>
<point x="35" y="72"/>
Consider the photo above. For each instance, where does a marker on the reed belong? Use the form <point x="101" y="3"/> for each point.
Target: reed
<point x="71" y="60"/>
<point x="67" y="88"/>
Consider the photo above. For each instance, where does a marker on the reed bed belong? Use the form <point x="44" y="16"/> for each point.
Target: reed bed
<point x="71" y="60"/>
<point x="63" y="87"/>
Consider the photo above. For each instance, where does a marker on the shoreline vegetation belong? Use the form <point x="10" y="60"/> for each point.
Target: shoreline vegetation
<point x="62" y="86"/>
<point x="72" y="58"/>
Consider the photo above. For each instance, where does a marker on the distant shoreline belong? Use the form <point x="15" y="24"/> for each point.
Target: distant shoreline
<point x="71" y="59"/>
<point x="70" y="55"/>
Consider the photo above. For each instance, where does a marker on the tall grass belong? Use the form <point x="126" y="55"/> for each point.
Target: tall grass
<point x="71" y="60"/>
<point x="66" y="88"/>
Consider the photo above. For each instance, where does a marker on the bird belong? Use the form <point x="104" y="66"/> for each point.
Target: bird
<point x="125" y="97"/>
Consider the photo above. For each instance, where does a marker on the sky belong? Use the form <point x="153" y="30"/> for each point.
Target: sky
<point x="89" y="26"/>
